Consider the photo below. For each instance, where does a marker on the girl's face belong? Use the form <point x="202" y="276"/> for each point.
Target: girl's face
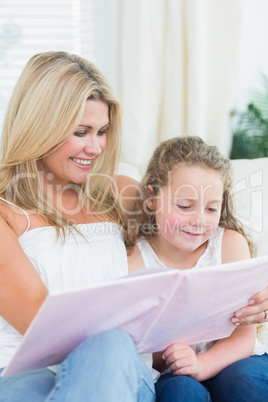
<point x="71" y="162"/>
<point x="188" y="208"/>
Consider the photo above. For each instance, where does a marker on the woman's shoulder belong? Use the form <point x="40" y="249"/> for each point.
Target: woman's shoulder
<point x="127" y="193"/>
<point x="15" y="217"/>
<point x="135" y="260"/>
<point x="234" y="246"/>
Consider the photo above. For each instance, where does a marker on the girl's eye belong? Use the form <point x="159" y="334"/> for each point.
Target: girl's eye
<point x="212" y="209"/>
<point x="183" y="206"/>
<point x="80" y="133"/>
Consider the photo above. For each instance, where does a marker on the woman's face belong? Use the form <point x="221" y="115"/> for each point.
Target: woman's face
<point x="71" y="162"/>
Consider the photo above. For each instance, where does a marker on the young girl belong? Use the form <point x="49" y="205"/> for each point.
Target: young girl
<point x="185" y="219"/>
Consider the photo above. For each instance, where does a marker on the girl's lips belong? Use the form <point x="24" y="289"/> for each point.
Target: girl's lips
<point x="192" y="234"/>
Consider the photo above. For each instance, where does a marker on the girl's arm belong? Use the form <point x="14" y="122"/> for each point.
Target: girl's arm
<point x="21" y="289"/>
<point x="235" y="248"/>
<point x="239" y="345"/>
<point x="182" y="360"/>
<point x="241" y="342"/>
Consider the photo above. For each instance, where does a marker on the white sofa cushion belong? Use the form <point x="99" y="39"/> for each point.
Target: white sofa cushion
<point x="251" y="199"/>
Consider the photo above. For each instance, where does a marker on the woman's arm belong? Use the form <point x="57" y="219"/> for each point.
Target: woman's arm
<point x="256" y="312"/>
<point x="21" y="289"/>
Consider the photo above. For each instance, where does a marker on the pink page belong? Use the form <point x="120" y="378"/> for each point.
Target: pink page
<point x="156" y="307"/>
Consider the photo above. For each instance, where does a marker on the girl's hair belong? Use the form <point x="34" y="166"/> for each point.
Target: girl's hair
<point x="45" y="109"/>
<point x="189" y="151"/>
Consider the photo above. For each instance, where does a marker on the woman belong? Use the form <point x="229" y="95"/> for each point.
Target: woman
<point x="61" y="225"/>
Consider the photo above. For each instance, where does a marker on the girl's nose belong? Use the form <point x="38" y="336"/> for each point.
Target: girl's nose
<point x="197" y="219"/>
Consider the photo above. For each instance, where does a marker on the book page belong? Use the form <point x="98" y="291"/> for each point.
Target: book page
<point x="155" y="307"/>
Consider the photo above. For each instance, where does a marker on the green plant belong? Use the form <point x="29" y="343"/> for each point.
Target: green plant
<point x="250" y="127"/>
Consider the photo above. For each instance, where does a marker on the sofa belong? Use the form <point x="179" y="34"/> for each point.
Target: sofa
<point x="251" y="204"/>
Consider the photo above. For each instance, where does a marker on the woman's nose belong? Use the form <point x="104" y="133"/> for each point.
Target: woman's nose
<point x="92" y="146"/>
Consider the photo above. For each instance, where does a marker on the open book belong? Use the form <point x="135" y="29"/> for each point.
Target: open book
<point x="157" y="307"/>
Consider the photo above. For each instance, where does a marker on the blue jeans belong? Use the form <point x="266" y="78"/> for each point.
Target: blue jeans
<point x="172" y="388"/>
<point x="243" y="381"/>
<point x="105" y="367"/>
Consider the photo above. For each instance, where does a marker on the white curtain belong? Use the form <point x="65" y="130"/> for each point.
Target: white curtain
<point x="180" y="70"/>
<point x="176" y="65"/>
<point x="85" y="27"/>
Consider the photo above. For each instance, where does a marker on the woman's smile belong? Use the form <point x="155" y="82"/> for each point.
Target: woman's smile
<point x="82" y="163"/>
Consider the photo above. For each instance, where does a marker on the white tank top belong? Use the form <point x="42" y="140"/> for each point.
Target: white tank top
<point x="211" y="256"/>
<point x="96" y="256"/>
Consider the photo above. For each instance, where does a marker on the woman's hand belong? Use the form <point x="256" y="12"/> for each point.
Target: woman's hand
<point x="182" y="360"/>
<point x="256" y="312"/>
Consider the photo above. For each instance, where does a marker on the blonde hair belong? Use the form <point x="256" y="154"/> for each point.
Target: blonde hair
<point x="44" y="110"/>
<point x="189" y="151"/>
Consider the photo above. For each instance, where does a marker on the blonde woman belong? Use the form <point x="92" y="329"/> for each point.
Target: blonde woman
<point x="61" y="225"/>
<point x="185" y="220"/>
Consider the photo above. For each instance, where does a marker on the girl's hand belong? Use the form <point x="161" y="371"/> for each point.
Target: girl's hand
<point x="256" y="312"/>
<point x="181" y="360"/>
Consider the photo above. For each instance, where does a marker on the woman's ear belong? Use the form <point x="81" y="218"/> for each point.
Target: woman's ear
<point x="150" y="198"/>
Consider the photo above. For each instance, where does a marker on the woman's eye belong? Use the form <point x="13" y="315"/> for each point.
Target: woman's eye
<point x="80" y="133"/>
<point x="102" y="132"/>
<point x="212" y="209"/>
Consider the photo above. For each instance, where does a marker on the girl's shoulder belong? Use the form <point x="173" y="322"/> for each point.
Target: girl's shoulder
<point x="234" y="246"/>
